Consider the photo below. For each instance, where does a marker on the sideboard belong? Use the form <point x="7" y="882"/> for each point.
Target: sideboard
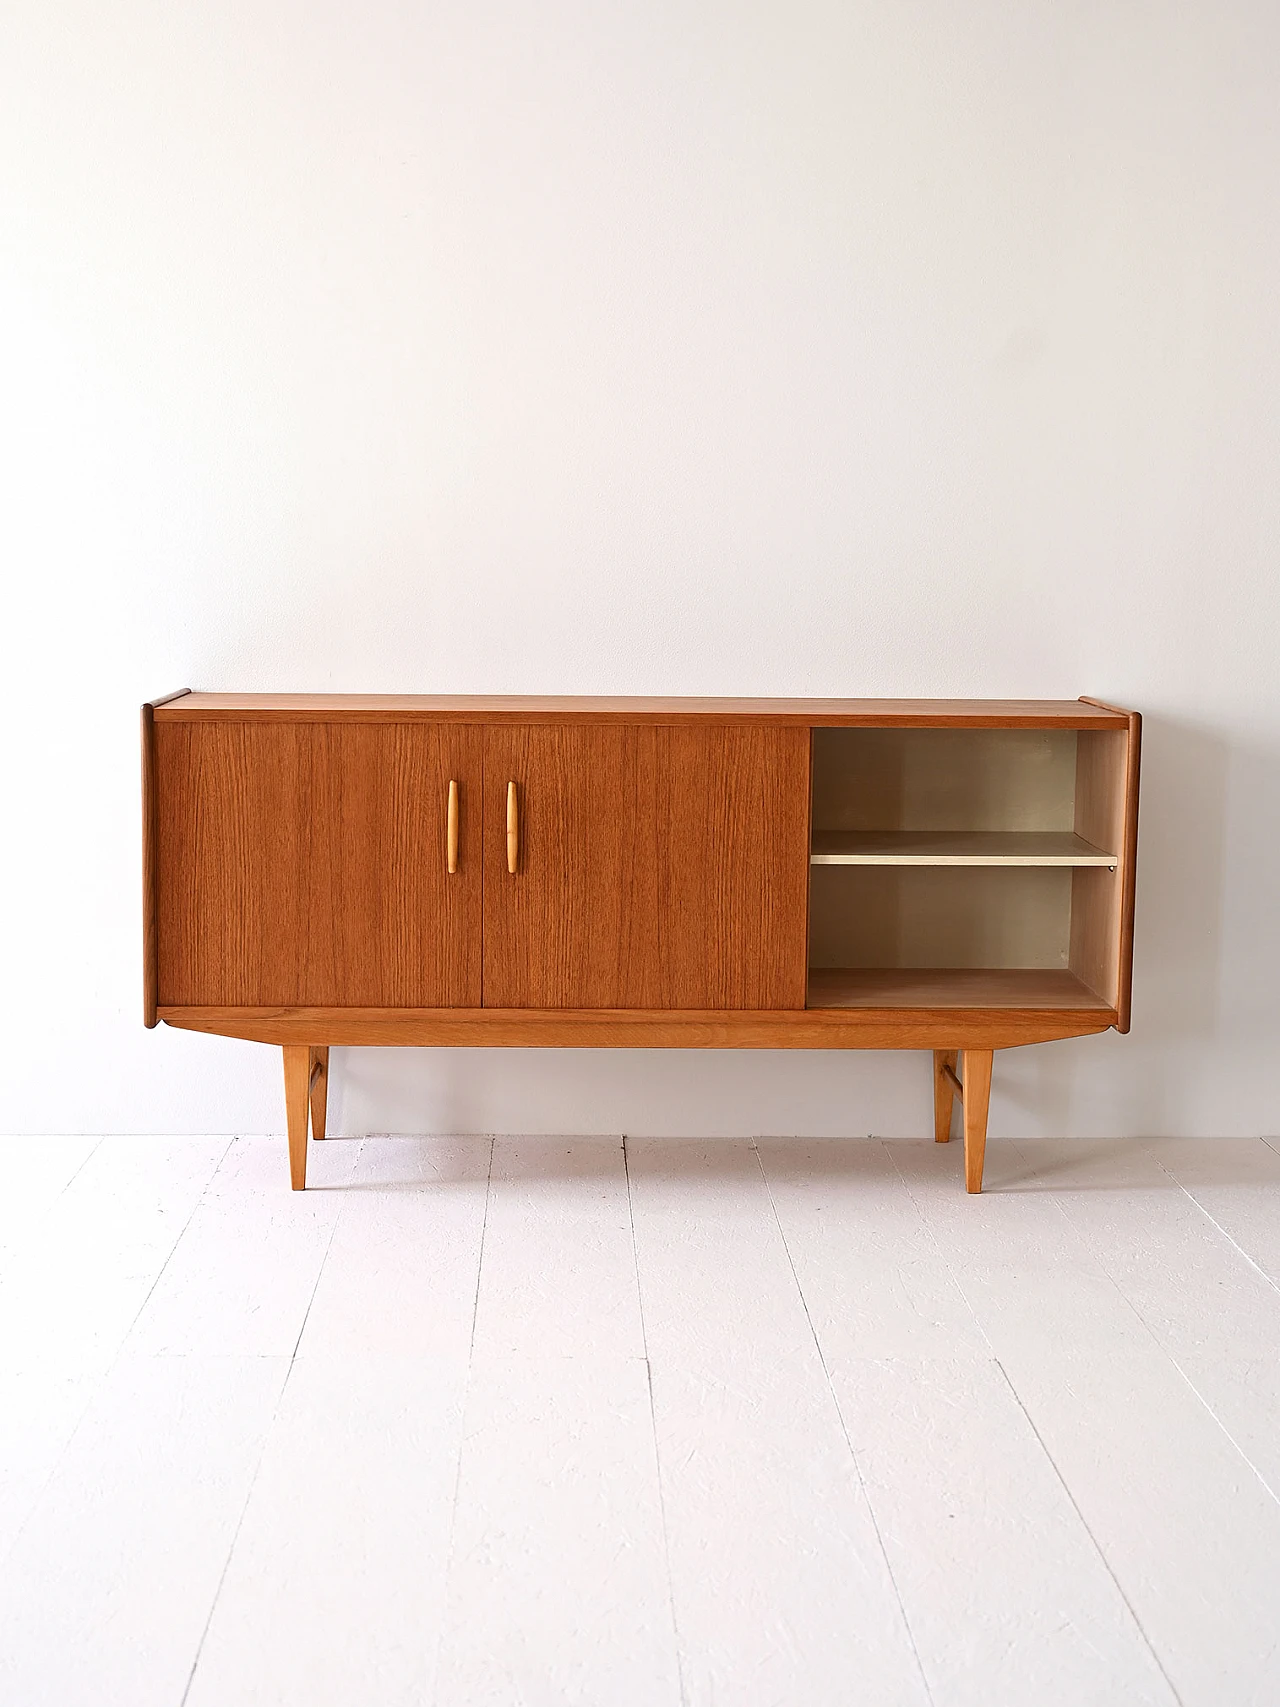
<point x="946" y="875"/>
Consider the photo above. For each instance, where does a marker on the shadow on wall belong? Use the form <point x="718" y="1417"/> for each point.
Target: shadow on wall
<point x="1206" y="943"/>
<point x="1182" y="838"/>
<point x="686" y="1092"/>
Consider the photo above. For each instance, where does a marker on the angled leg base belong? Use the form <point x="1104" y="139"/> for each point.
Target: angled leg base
<point x="944" y="1068"/>
<point x="976" y="1078"/>
<point x="319" y="1082"/>
<point x="972" y="1088"/>
<point x="297" y="1091"/>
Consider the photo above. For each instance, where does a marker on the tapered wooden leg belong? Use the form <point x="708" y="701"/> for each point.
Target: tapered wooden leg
<point x="943" y="1094"/>
<point x="297" y="1085"/>
<point x="318" y="1076"/>
<point x="976" y="1075"/>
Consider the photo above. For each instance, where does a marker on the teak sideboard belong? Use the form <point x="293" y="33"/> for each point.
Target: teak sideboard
<point x="948" y="875"/>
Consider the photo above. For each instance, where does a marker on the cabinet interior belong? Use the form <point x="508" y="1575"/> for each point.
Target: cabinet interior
<point x="980" y="856"/>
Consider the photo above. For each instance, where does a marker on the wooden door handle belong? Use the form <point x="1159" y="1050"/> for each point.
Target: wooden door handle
<point x="513" y="829"/>
<point x="451" y="833"/>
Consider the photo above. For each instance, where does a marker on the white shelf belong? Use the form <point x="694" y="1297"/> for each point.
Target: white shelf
<point x="956" y="847"/>
<point x="951" y="987"/>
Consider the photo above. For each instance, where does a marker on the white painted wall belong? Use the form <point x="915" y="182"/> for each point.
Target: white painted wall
<point x="823" y="348"/>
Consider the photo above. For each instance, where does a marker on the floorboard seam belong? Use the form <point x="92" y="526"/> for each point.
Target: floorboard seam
<point x="653" y="1427"/>
<point x="257" y="1468"/>
<point x="83" y="1165"/>
<point x="1165" y="1350"/>
<point x="235" y="1536"/>
<point x="1097" y="1546"/>
<point x="853" y="1456"/>
<point x="124" y="1340"/>
<point x="1216" y="1224"/>
<point x="462" y="1423"/>
<point x="333" y="1233"/>
<point x="943" y="1254"/>
<point x="1200" y="1398"/>
<point x="182" y="1233"/>
<point x="999" y="1362"/>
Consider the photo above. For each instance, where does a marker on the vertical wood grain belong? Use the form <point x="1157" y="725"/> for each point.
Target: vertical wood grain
<point x="318" y="1081"/>
<point x="306" y="864"/>
<point x="297" y="1083"/>
<point x="976" y="1075"/>
<point x="943" y="1094"/>
<point x="660" y="867"/>
<point x="150" y="858"/>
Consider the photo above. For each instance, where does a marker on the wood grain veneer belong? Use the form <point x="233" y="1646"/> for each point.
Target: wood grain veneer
<point x="297" y="1090"/>
<point x="530" y="1028"/>
<point x="308" y="863"/>
<point x="975" y="1079"/>
<point x="319" y="1082"/>
<point x="505" y="708"/>
<point x="150" y="858"/>
<point x="944" y="1093"/>
<point x="658" y="867"/>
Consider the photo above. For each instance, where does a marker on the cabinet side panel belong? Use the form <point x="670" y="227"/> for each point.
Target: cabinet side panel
<point x="1129" y="870"/>
<point x="305" y="864"/>
<point x="1102" y="900"/>
<point x="150" y="974"/>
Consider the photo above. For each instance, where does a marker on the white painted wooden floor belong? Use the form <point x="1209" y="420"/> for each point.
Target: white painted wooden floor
<point x="557" y="1421"/>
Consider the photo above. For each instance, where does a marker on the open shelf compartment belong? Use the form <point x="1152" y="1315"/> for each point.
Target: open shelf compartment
<point x="965" y="868"/>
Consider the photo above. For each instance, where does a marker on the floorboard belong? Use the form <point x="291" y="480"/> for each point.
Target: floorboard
<point x="558" y="1586"/>
<point x="400" y="1272"/>
<point x="241" y="1280"/>
<point x="679" y="1424"/>
<point x="781" y="1585"/>
<point x="1190" y="1533"/>
<point x="335" y="1590"/>
<point x="1008" y="1598"/>
<point x="106" y="1592"/>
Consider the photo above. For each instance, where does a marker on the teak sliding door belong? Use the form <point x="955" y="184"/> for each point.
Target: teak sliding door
<point x="656" y="866"/>
<point x="306" y="863"/>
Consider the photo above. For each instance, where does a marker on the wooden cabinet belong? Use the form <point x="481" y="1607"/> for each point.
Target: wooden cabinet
<point x="956" y="876"/>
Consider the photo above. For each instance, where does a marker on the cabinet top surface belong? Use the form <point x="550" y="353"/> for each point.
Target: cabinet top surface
<point x="513" y="708"/>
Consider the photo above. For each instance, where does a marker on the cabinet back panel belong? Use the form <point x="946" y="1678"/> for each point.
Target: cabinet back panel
<point x="659" y="867"/>
<point x="943" y="779"/>
<point x="939" y="916"/>
<point x="304" y="864"/>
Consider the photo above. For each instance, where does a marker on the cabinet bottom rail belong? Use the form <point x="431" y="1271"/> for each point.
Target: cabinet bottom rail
<point x="524" y="1028"/>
